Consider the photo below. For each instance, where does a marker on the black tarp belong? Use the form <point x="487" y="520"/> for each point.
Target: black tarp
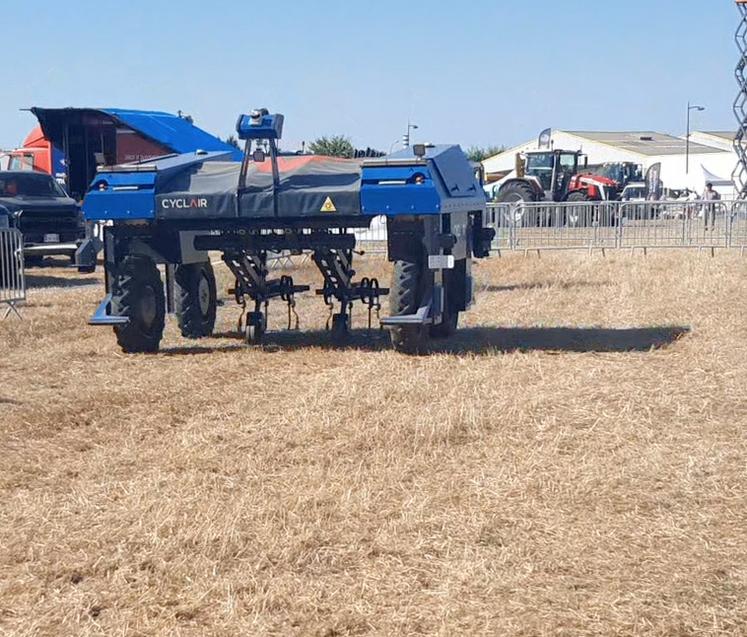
<point x="309" y="186"/>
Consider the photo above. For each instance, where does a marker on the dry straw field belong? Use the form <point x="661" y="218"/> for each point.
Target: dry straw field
<point x="574" y="463"/>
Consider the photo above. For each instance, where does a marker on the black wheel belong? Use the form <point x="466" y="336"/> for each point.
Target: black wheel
<point x="33" y="262"/>
<point x="576" y="216"/>
<point x="256" y="325"/>
<point x="405" y="295"/>
<point x="196" y="299"/>
<point x="137" y="293"/>
<point x="340" y="327"/>
<point x="87" y="269"/>
<point x="515" y="192"/>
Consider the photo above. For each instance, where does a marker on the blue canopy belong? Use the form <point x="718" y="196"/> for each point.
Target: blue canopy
<point x="178" y="134"/>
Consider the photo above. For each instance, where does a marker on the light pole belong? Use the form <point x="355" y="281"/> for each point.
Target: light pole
<point x="690" y="108"/>
<point x="406" y="136"/>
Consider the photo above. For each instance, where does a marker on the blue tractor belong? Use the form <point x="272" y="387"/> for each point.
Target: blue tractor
<point x="175" y="209"/>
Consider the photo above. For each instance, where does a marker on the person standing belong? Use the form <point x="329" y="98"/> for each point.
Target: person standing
<point x="710" y="195"/>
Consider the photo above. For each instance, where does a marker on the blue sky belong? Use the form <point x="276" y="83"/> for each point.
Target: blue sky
<point x="478" y="72"/>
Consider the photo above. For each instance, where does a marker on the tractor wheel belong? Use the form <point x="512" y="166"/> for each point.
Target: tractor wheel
<point x="33" y="261"/>
<point x="405" y="295"/>
<point x="137" y="293"/>
<point x="195" y="298"/>
<point x="516" y="192"/>
<point x="575" y="216"/>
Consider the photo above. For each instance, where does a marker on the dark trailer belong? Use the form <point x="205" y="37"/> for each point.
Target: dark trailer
<point x="174" y="210"/>
<point x="94" y="137"/>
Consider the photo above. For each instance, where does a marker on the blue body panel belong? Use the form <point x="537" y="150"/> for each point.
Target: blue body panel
<point x="392" y="190"/>
<point x="401" y="184"/>
<point x="131" y="194"/>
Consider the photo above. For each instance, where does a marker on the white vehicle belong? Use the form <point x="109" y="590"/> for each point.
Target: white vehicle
<point x="634" y="191"/>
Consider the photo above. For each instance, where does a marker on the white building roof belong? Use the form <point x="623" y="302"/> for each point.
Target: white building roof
<point x="726" y="135"/>
<point x="718" y="139"/>
<point x="645" y="143"/>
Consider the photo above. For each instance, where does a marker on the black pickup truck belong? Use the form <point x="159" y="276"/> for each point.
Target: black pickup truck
<point x="50" y="220"/>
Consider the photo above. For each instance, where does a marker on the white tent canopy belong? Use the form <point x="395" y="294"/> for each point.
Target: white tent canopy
<point x="717" y="182"/>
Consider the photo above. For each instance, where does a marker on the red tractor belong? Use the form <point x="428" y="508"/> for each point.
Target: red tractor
<point x="553" y="175"/>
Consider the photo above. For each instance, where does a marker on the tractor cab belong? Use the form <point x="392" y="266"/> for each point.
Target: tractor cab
<point x="622" y="173"/>
<point x="554" y="170"/>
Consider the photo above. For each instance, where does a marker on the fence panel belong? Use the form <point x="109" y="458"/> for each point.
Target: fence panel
<point x="373" y="238"/>
<point x="607" y="225"/>
<point x="674" y="224"/>
<point x="12" y="277"/>
<point x="738" y="237"/>
<point x="563" y="226"/>
<point x="499" y="218"/>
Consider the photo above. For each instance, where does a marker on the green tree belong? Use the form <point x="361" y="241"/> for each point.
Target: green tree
<point x="478" y="153"/>
<point x="335" y="146"/>
<point x="232" y="141"/>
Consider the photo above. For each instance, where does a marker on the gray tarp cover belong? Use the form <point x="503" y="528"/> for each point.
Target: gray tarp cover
<point x="306" y="181"/>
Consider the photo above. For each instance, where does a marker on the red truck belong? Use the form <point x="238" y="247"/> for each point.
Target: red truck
<point x="37" y="153"/>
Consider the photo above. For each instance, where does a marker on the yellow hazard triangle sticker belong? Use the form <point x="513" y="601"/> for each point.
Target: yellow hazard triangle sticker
<point x="328" y="205"/>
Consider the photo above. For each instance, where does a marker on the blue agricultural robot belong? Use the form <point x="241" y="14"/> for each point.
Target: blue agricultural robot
<point x="174" y="210"/>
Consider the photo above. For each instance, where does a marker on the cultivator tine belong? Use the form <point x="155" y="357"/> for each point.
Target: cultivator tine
<point x="292" y="310"/>
<point x="331" y="306"/>
<point x="242" y="304"/>
<point x="289" y="296"/>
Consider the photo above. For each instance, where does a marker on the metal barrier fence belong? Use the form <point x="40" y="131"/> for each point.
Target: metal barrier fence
<point x="619" y="225"/>
<point x="12" y="277"/>
<point x="373" y="238"/>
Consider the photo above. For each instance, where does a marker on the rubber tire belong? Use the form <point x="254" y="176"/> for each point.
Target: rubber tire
<point x="578" y="196"/>
<point x="135" y="276"/>
<point x="255" y="328"/>
<point x="515" y="192"/>
<point x="253" y="333"/>
<point x="33" y="262"/>
<point x="405" y="295"/>
<point x="193" y="322"/>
